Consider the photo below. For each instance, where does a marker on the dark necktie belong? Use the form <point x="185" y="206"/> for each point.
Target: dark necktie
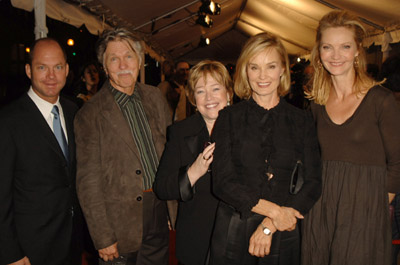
<point x="58" y="131"/>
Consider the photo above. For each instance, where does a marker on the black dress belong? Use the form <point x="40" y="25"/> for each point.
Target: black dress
<point x="197" y="207"/>
<point x="251" y="142"/>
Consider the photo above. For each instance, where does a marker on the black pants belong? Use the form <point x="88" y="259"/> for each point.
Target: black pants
<point x="154" y="248"/>
<point x="231" y="236"/>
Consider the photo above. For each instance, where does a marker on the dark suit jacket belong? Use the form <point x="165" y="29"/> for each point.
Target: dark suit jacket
<point x="109" y="176"/>
<point x="37" y="190"/>
<point x="197" y="206"/>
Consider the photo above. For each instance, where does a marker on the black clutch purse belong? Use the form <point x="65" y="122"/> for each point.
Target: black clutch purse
<point x="297" y="178"/>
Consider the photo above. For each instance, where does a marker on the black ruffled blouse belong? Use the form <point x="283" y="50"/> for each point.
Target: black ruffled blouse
<point x="257" y="151"/>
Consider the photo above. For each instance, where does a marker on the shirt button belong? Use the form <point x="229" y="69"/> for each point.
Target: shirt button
<point x="139" y="198"/>
<point x="138" y="172"/>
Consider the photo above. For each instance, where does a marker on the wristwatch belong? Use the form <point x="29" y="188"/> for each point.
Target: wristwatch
<point x="266" y="230"/>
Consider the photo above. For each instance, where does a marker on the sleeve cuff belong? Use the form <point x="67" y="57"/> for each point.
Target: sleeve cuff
<point x="185" y="188"/>
<point x="245" y="210"/>
<point x="11" y="253"/>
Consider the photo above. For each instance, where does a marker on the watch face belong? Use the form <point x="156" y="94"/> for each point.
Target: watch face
<point x="267" y="231"/>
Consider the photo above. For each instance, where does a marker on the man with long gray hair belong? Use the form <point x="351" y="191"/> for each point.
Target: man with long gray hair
<point x="120" y="136"/>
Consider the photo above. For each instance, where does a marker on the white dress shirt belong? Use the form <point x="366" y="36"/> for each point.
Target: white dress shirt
<point x="45" y="108"/>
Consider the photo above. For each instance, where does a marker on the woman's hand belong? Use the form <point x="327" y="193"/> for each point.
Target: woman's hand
<point x="260" y="243"/>
<point x="285" y="218"/>
<point x="201" y="164"/>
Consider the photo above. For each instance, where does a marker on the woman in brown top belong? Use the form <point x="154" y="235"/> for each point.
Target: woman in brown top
<point x="358" y="123"/>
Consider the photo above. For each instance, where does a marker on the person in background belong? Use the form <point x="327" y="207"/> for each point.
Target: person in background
<point x="183" y="173"/>
<point x="175" y="94"/>
<point x="373" y="70"/>
<point x="168" y="71"/>
<point x="390" y="72"/>
<point x="183" y="108"/>
<point x="296" y="95"/>
<point x="40" y="217"/>
<point x="89" y="83"/>
<point x="120" y="136"/>
<point x="266" y="164"/>
<point x="308" y="75"/>
<point x="358" y="124"/>
<point x="166" y="86"/>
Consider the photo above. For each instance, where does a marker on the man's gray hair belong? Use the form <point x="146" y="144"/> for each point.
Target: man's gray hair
<point x="118" y="34"/>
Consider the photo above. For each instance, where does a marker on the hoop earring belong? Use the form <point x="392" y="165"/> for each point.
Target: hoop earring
<point x="319" y="64"/>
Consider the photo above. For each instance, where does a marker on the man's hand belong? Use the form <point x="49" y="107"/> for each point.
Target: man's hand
<point x="260" y="243"/>
<point x="109" y="253"/>
<point x="23" y="261"/>
<point x="391" y="197"/>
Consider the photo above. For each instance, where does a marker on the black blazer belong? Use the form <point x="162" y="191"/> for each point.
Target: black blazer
<point x="251" y="142"/>
<point x="197" y="207"/>
<point x="37" y="191"/>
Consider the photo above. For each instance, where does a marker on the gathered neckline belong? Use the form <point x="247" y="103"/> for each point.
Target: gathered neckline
<point x="351" y="117"/>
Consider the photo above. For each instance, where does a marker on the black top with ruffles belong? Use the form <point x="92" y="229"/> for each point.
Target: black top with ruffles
<point x="252" y="143"/>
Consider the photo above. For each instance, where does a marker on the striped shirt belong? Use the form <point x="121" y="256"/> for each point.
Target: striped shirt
<point x="132" y="109"/>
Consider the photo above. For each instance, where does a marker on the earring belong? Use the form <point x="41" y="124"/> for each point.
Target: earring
<point x="229" y="102"/>
<point x="319" y="64"/>
<point x="356" y="62"/>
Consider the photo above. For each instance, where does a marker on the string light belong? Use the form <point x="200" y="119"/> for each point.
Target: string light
<point x="210" y="7"/>
<point x="205" y="21"/>
<point x="204" y="41"/>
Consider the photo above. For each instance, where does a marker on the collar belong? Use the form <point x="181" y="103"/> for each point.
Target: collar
<point x="261" y="110"/>
<point x="121" y="98"/>
<point x="44" y="106"/>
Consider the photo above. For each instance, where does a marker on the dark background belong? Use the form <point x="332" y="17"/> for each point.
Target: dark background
<point x="17" y="33"/>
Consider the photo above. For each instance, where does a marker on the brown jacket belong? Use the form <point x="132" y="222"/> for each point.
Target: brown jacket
<point x="109" y="173"/>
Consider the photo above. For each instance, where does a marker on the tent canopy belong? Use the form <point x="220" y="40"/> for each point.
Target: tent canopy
<point x="169" y="28"/>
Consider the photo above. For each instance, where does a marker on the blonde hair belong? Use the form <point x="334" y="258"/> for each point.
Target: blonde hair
<point x="256" y="44"/>
<point x="322" y="81"/>
<point x="216" y="69"/>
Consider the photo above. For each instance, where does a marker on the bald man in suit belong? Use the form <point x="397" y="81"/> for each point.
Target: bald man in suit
<point x="39" y="212"/>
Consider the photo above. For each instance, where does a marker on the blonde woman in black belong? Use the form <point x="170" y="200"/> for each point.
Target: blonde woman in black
<point x="266" y="168"/>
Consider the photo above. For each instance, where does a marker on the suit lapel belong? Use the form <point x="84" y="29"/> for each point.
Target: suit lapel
<point x="38" y="122"/>
<point x="113" y="115"/>
<point x="69" y="119"/>
<point x="195" y="126"/>
<point x="192" y="143"/>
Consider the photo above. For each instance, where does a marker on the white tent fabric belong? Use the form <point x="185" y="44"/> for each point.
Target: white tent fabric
<point x="169" y="28"/>
<point x="40" y="18"/>
<point x="68" y="13"/>
<point x="62" y="11"/>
